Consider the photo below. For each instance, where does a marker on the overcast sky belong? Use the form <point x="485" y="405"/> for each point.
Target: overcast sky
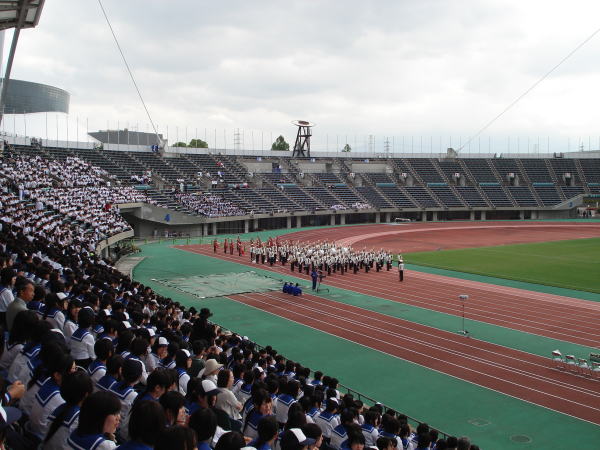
<point x="427" y="70"/>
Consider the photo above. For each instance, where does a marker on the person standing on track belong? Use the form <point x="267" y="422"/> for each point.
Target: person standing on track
<point x="315" y="276"/>
<point x="401" y="269"/>
<point x="215" y="245"/>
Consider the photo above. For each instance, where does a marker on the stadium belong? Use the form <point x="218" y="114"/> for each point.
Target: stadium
<point x="167" y="295"/>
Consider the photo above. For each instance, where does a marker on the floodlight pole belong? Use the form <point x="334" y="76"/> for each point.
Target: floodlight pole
<point x="463" y="298"/>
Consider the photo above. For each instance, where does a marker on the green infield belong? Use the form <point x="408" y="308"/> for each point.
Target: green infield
<point x="571" y="264"/>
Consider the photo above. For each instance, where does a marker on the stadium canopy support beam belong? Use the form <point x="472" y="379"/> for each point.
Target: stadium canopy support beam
<point x="255" y="224"/>
<point x="472" y="216"/>
<point x="289" y="222"/>
<point x="424" y="216"/>
<point x="247" y="226"/>
<point x="298" y="222"/>
<point x="11" y="55"/>
<point x="522" y="214"/>
<point x="435" y="216"/>
<point x="343" y="219"/>
<point x="214" y="228"/>
<point x="377" y="217"/>
<point x="388" y="217"/>
<point x="482" y="215"/>
<point x="332" y="219"/>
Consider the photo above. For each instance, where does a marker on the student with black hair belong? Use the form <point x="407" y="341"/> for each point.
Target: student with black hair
<point x="74" y="389"/>
<point x="316" y="381"/>
<point x="173" y="403"/>
<point x="178" y="438"/>
<point x="232" y="440"/>
<point x="245" y="391"/>
<point x="114" y="364"/>
<point x="226" y="401"/>
<point x="370" y="427"/>
<point x="25" y="290"/>
<point x="82" y="340"/>
<point x="99" y="418"/>
<point x="204" y="423"/>
<point x="123" y="390"/>
<point x="328" y="419"/>
<point x="403" y="434"/>
<point x="263" y="406"/>
<point x="56" y="364"/>
<point x="295" y="439"/>
<point x="285" y="400"/>
<point x="168" y="362"/>
<point x="18" y="337"/>
<point x="313" y="431"/>
<point x="52" y="311"/>
<point x="157" y="384"/>
<point x="103" y="349"/>
<point x="7" y="280"/>
<point x="138" y="350"/>
<point x="183" y="362"/>
<point x="267" y="434"/>
<point x="340" y="433"/>
<point x="146" y="424"/>
<point x="385" y="443"/>
<point x="70" y="325"/>
<point x="356" y="440"/>
<point x="316" y="399"/>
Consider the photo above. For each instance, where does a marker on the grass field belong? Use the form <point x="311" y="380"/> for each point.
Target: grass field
<point x="571" y="264"/>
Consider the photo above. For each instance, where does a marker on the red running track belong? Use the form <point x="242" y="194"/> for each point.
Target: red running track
<point x="563" y="318"/>
<point x="511" y="372"/>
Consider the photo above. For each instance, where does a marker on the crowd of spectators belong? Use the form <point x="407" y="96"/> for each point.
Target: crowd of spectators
<point x="210" y="205"/>
<point x="68" y="202"/>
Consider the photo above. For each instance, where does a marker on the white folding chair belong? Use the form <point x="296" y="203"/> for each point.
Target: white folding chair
<point x="584" y="367"/>
<point x="571" y="363"/>
<point x="595" y="370"/>
<point x="557" y="358"/>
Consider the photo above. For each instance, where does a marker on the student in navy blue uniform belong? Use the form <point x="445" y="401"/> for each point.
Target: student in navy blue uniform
<point x="114" y="365"/>
<point x="98" y="421"/>
<point x="157" y="384"/>
<point x="65" y="419"/>
<point x="103" y="349"/>
<point x="340" y="433"/>
<point x="82" y="341"/>
<point x="146" y="424"/>
<point x="372" y="420"/>
<point x="263" y="406"/>
<point x="267" y="434"/>
<point x="204" y="423"/>
<point x="123" y="390"/>
<point x="314" y="275"/>
<point x="286" y="288"/>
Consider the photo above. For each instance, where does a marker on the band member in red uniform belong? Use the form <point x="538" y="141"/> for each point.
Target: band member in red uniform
<point x="215" y="245"/>
<point x="225" y="246"/>
<point x="231" y="246"/>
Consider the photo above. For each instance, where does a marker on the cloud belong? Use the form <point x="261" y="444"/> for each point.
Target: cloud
<point x="388" y="68"/>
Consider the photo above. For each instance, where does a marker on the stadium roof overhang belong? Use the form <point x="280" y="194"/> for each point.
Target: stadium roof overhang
<point x="20" y="13"/>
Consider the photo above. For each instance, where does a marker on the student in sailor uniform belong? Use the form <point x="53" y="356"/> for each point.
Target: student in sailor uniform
<point x="18" y="336"/>
<point x="315" y="409"/>
<point x="97" y="369"/>
<point x="158" y="382"/>
<point x="7" y="281"/>
<point x="390" y="428"/>
<point x="114" y="365"/>
<point x="131" y="372"/>
<point x="267" y="434"/>
<point x="168" y="362"/>
<point x="137" y="351"/>
<point x="82" y="341"/>
<point x="159" y="351"/>
<point x="183" y="362"/>
<point x="64" y="419"/>
<point x="340" y="433"/>
<point x="204" y="423"/>
<point x="285" y="400"/>
<point x="71" y="320"/>
<point x="99" y="417"/>
<point x="370" y="428"/>
<point x="52" y="311"/>
<point x="146" y="426"/>
<point x="57" y="364"/>
<point x="263" y="406"/>
<point x="328" y="419"/>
